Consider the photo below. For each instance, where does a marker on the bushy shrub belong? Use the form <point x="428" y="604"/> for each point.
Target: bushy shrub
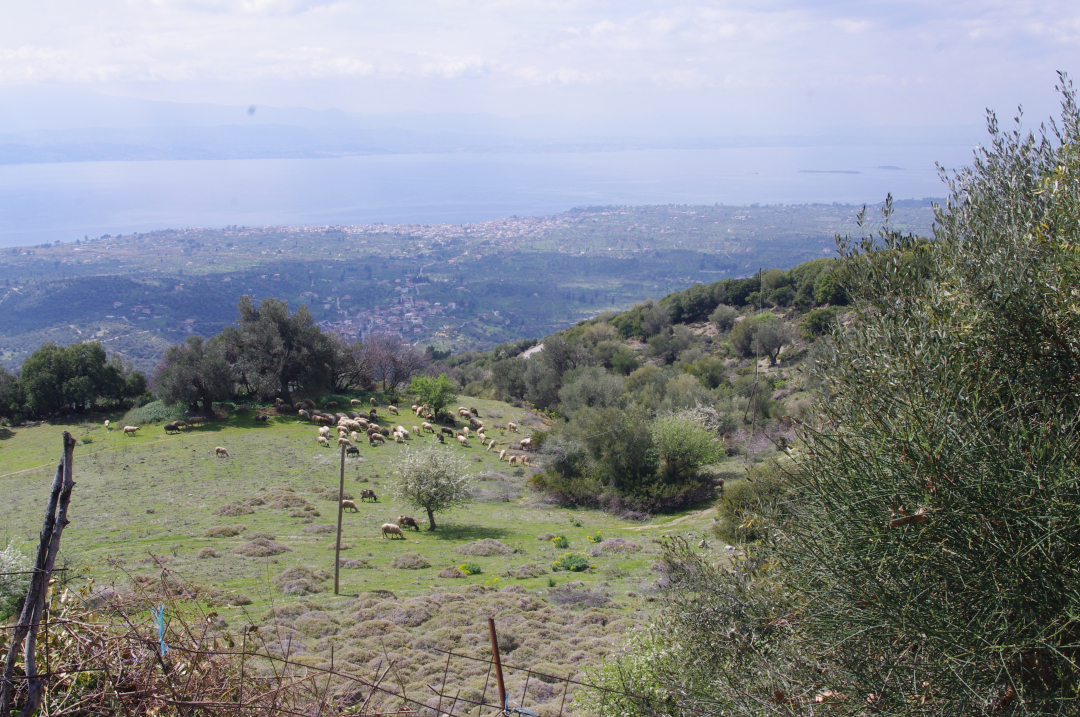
<point x="746" y="504"/>
<point x="560" y="541"/>
<point x="470" y="568"/>
<point x="572" y="562"/>
<point x="153" y="412"/>
<point x="723" y="317"/>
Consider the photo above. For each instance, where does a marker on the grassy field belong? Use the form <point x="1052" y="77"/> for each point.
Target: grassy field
<point x="170" y="497"/>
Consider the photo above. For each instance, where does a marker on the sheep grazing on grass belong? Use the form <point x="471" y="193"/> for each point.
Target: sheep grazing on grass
<point x="480" y="435"/>
<point x="416" y="429"/>
<point x="107" y="427"/>
<point x="407" y="521"/>
<point x="525" y="461"/>
<point x="354" y="436"/>
<point x="323" y="441"/>
<point x="447" y="431"/>
<point x="376" y="438"/>
<point x="330" y="404"/>
<point x="398" y="438"/>
<point x="355" y="401"/>
<point x="373" y="401"/>
<point x="368" y="494"/>
<point x="502" y="454"/>
<point x="324" y="431"/>
<point x="465" y="431"/>
<point x="463" y="441"/>
<point x="130" y="430"/>
<point x="473" y="411"/>
<point x="413" y="408"/>
<point x="308" y="404"/>
<point x="222" y="452"/>
<point x="491" y="445"/>
<point x="393" y="410"/>
<point x="525" y="443"/>
<point x="464" y="412"/>
<point x="347" y="504"/>
<point x="440" y="437"/>
<point x="304" y="414"/>
<point x="427" y="426"/>
<point x="391" y="529"/>
<point x="352" y="451"/>
<point x="513" y="460"/>
<point x="512" y="426"/>
<point x="344" y="442"/>
<point x="172" y="428"/>
<point x="181" y="424"/>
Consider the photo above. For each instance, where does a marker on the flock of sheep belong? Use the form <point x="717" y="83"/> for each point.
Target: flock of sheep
<point x="351" y="426"/>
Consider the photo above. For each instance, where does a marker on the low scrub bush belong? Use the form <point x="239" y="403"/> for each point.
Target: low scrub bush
<point x="560" y="542"/>
<point x="528" y="570"/>
<point x="470" y="568"/>
<point x="261" y="548"/>
<point x="410" y="561"/>
<point x="746" y="502"/>
<point x="153" y="412"/>
<point x="573" y="562"/>
<point x="486" y="548"/>
<point x="225" y="531"/>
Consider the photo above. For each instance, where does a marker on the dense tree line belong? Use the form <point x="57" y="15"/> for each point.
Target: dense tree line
<point x="68" y="379"/>
<point x="269" y="353"/>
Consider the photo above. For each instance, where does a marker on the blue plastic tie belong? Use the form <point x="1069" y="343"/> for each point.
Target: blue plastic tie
<point x="158" y="613"/>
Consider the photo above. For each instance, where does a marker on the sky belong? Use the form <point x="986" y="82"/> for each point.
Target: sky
<point x="580" y="67"/>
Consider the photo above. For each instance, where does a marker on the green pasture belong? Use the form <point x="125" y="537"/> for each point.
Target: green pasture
<point x="162" y="495"/>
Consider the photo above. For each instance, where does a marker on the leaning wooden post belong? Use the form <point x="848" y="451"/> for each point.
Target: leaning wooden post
<point x="30" y="618"/>
<point x="498" y="664"/>
<point x="337" y="545"/>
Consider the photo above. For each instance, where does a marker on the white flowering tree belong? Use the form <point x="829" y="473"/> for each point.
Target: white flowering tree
<point x="432" y="478"/>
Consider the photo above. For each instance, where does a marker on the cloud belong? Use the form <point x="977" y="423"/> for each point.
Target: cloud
<point x="633" y="57"/>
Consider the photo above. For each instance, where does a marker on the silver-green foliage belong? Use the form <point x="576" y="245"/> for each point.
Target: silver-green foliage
<point x="432" y="478"/>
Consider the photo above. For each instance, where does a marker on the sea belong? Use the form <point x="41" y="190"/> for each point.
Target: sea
<point x="68" y="201"/>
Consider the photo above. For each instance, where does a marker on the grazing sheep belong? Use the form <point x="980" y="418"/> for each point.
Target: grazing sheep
<point x="404" y="434"/>
<point x="355" y="401"/>
<point x="404" y="521"/>
<point x="107" y="427"/>
<point x="473" y="411"/>
<point x="491" y="444"/>
<point x="343" y="442"/>
<point x="385" y="432"/>
<point x="364" y="423"/>
<point x="346" y="504"/>
<point x="322" y="420"/>
<point x="463" y="412"/>
<point x="393" y="410"/>
<point x="181" y="424"/>
<point x="502" y="454"/>
<point x="352" y="451"/>
<point x="323" y="441"/>
<point x="373" y="416"/>
<point x="330" y="404"/>
<point x="324" y="431"/>
<point x="308" y="404"/>
<point x="525" y="461"/>
<point x="262" y="417"/>
<point x="373" y="401"/>
<point x="354" y="436"/>
<point x="172" y="428"/>
<point x="481" y="436"/>
<point x="398" y="438"/>
<point x="416" y="429"/>
<point x="513" y="460"/>
<point x="130" y="430"/>
<point x="391" y="529"/>
<point x="525" y="443"/>
<point x="427" y="426"/>
<point x="304" y="414"/>
<point x="465" y="431"/>
<point x="447" y="431"/>
<point x="376" y="438"/>
<point x="367" y="493"/>
<point x="222" y="451"/>
<point x="440" y="437"/>
<point x="463" y="441"/>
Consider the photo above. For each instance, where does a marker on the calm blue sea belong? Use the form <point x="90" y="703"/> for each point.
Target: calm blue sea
<point x="66" y="201"/>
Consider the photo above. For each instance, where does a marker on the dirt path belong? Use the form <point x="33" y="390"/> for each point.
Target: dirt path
<point x="677" y="521"/>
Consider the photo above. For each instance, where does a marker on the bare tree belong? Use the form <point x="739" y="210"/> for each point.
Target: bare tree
<point x="388" y="360"/>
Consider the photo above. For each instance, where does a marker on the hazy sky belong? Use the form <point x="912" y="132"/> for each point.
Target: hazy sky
<point x="761" y="66"/>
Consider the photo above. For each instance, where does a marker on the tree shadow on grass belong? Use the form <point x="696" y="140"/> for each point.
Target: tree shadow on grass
<point x="6" y="433"/>
<point x="465" y="532"/>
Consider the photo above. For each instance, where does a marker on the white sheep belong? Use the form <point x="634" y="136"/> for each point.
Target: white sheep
<point x="391" y="529"/>
<point x="462" y="440"/>
<point x="465" y="431"/>
<point x="130" y="430"/>
<point x="491" y="445"/>
<point x="512" y="426"/>
<point x="323" y="441"/>
<point x="427" y="426"/>
<point x="354" y="436"/>
<point x="344" y="442"/>
<point x="107" y="428"/>
<point x="513" y="460"/>
<point x="398" y="438"/>
<point x="346" y="504"/>
<point x="324" y="431"/>
<point x="355" y="402"/>
<point x="392" y="409"/>
<point x="221" y="451"/>
<point x="525" y="443"/>
<point x="502" y="454"/>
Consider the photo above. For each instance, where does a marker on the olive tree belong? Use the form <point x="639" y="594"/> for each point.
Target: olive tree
<point x="432" y="478"/>
<point x="434" y="391"/>
<point x="683" y="447"/>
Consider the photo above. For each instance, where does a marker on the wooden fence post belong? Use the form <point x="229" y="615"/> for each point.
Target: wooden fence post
<point x="498" y="664"/>
<point x="30" y="618"/>
<point x="337" y="545"/>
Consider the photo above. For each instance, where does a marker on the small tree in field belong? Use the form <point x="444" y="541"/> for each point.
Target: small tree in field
<point x="431" y="478"/>
<point x="436" y="392"/>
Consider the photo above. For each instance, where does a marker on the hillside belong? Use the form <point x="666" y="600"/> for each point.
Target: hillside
<point x="459" y="287"/>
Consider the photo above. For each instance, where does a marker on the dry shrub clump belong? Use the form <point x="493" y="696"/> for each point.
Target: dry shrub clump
<point x="225" y="531"/>
<point x="528" y="570"/>
<point x="451" y="572"/>
<point x="234" y="509"/>
<point x="261" y="548"/>
<point x="614" y="545"/>
<point x="410" y="561"/>
<point x="486" y="548"/>
<point x="356" y="564"/>
<point x="330" y="493"/>
<point x="301" y="580"/>
<point x="579" y="596"/>
<point x="208" y="553"/>
<point x="546" y="536"/>
<point x="324" y="528"/>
